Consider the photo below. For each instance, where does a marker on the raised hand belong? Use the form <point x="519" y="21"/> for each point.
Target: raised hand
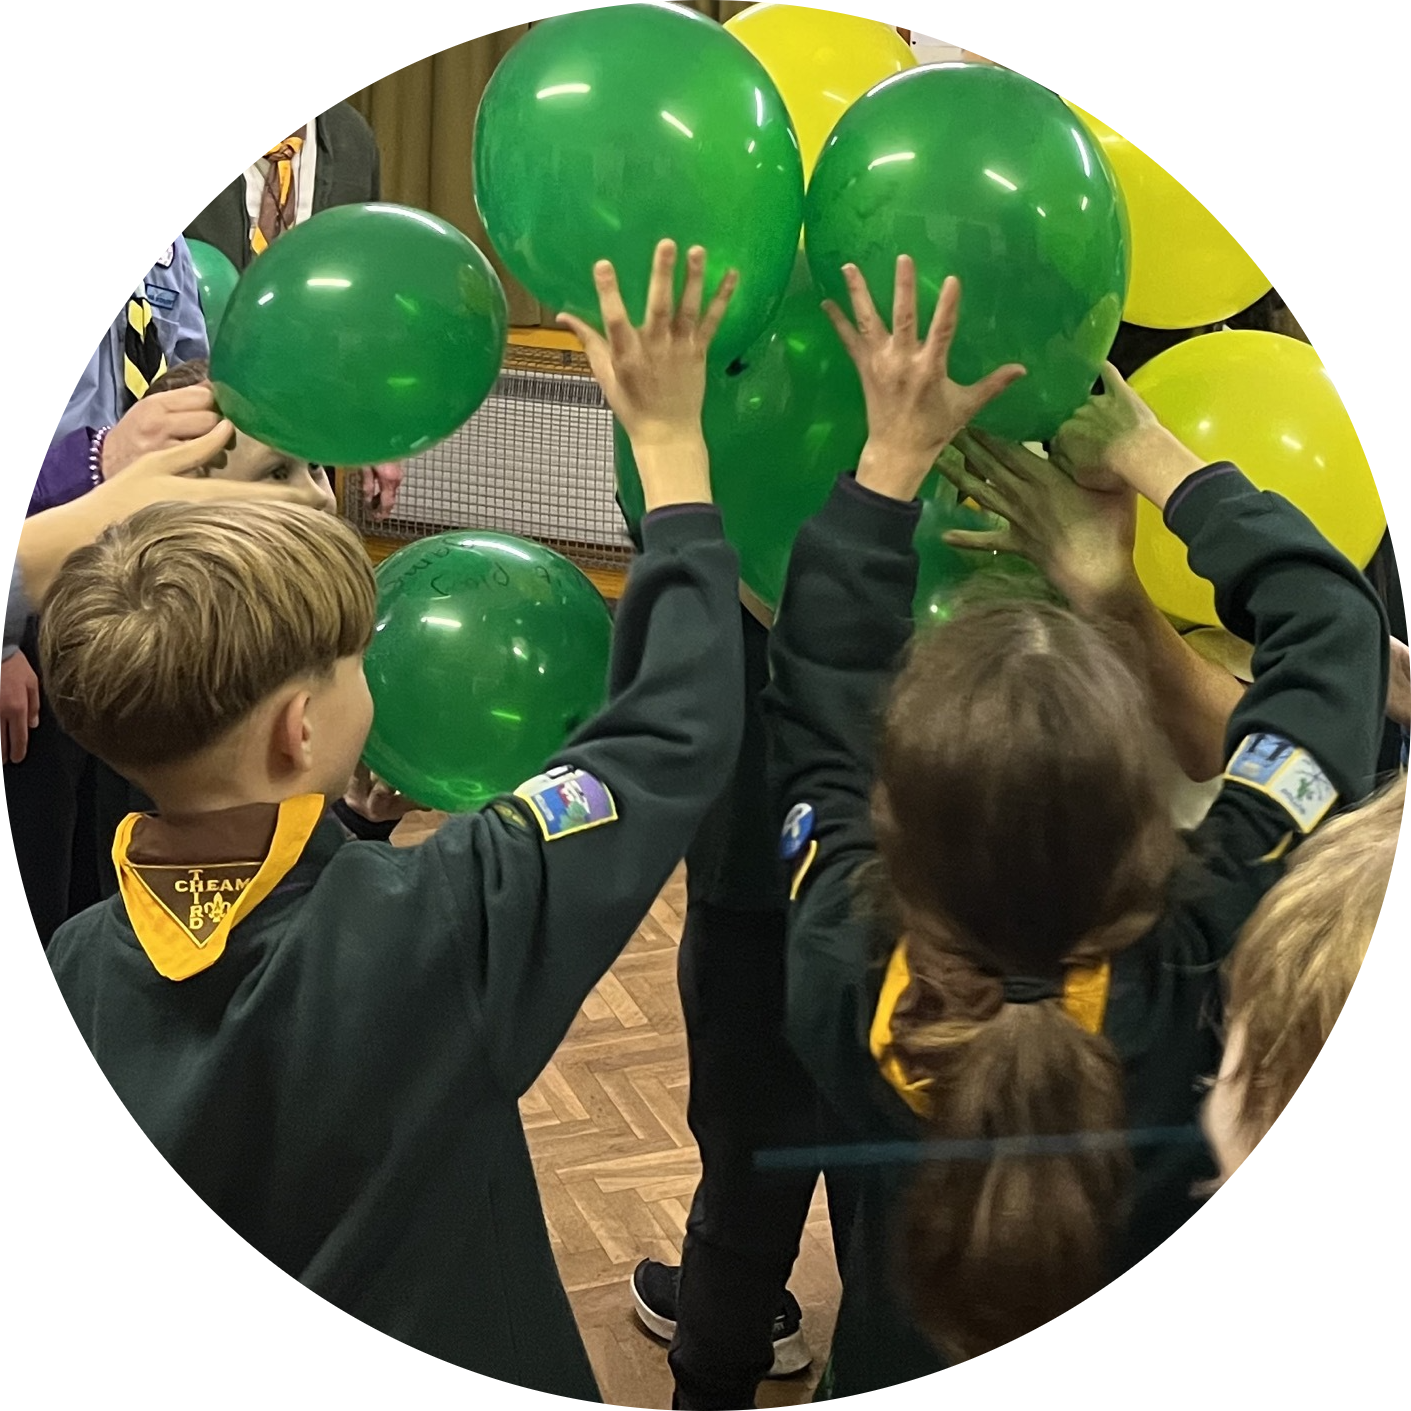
<point x="654" y="376"/>
<point x="1115" y="439"/>
<point x="914" y="409"/>
<point x="158" y="423"/>
<point x="1081" y="539"/>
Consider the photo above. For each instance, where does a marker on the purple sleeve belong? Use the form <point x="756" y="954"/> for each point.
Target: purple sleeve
<point x="64" y="475"/>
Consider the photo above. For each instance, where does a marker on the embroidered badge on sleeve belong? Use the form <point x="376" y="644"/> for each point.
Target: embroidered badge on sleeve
<point x="567" y="801"/>
<point x="1280" y="770"/>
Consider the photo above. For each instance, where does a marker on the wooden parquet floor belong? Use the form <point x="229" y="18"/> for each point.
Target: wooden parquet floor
<point x="617" y="1166"/>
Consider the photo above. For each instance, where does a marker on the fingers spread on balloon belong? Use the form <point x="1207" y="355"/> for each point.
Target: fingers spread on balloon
<point x="585" y="333"/>
<point x="689" y="312"/>
<point x="864" y="311"/>
<point x="945" y="319"/>
<point x="716" y="311"/>
<point x="904" y="301"/>
<point x="660" y="293"/>
<point x="988" y="388"/>
<point x="974" y="484"/>
<point x="616" y="325"/>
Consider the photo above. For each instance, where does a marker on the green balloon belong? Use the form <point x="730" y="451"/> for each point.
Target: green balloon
<point x="363" y="335"/>
<point x="605" y="131"/>
<point x="981" y="173"/>
<point x="216" y="278"/>
<point x="488" y="653"/>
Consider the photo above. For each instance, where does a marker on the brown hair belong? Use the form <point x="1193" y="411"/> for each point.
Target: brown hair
<point x="1023" y="828"/>
<point x="1300" y="952"/>
<point x="163" y="635"/>
<point x="188" y="374"/>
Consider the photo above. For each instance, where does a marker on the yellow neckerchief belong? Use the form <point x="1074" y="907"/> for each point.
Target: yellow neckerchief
<point x="1084" y="1002"/>
<point x="171" y="947"/>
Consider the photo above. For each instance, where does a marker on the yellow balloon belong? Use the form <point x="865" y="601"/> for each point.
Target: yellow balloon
<point x="821" y="62"/>
<point x="1266" y="403"/>
<point x="1187" y="269"/>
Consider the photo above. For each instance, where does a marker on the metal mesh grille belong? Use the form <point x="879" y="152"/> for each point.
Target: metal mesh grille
<point x="535" y="460"/>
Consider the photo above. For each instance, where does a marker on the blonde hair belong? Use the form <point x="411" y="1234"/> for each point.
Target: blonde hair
<point x="163" y="635"/>
<point x="1300" y="952"/>
<point x="1023" y="829"/>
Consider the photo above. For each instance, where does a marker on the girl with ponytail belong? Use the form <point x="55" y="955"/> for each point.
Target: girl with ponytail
<point x="1004" y="963"/>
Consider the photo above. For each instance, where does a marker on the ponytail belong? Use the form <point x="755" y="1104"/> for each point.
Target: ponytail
<point x="995" y="1248"/>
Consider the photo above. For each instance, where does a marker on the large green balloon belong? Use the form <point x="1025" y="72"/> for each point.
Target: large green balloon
<point x="365" y="334"/>
<point x="488" y="653"/>
<point x="216" y="279"/>
<point x="979" y="172"/>
<point x="605" y="131"/>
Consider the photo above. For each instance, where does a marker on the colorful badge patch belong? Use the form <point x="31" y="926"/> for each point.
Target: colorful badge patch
<point x="567" y="801"/>
<point x="1280" y="770"/>
<point x="798" y="829"/>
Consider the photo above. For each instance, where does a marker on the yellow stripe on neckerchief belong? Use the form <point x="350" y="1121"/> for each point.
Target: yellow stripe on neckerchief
<point x="143" y="361"/>
<point x="1084" y="1002"/>
<point x="277" y="199"/>
<point x="180" y="947"/>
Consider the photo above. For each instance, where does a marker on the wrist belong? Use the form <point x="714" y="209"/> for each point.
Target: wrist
<point x="893" y="470"/>
<point x="673" y="472"/>
<point x="1154" y="463"/>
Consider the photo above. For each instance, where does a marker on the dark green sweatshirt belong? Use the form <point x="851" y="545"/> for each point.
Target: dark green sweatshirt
<point x="341" y="1085"/>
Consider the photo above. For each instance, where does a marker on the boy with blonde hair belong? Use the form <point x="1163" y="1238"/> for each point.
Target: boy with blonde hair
<point x="1293" y="969"/>
<point x="328" y="1039"/>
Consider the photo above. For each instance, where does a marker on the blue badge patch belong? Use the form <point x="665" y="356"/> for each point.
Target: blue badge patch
<point x="567" y="801"/>
<point x="1290" y="776"/>
<point x="160" y="297"/>
<point x="798" y="829"/>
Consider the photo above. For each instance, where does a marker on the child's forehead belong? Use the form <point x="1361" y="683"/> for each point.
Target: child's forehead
<point x="248" y="446"/>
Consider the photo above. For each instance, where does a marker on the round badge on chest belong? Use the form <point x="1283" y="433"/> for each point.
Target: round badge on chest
<point x="798" y="829"/>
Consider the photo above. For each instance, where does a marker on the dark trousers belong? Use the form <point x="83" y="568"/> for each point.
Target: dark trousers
<point x="65" y="807"/>
<point x="748" y="1094"/>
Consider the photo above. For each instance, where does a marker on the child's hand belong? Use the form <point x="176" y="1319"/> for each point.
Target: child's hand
<point x="1115" y="439"/>
<point x="1080" y="539"/>
<point x="380" y="486"/>
<point x="913" y="408"/>
<point x="158" y="423"/>
<point x="19" y="707"/>
<point x="375" y="799"/>
<point x="654" y="377"/>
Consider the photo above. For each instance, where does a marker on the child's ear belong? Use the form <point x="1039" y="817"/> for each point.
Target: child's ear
<point x="293" y="734"/>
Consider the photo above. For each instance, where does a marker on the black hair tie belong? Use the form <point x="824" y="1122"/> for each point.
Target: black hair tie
<point x="1020" y="989"/>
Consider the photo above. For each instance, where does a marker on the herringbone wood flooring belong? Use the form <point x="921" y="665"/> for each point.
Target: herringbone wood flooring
<point x="617" y="1166"/>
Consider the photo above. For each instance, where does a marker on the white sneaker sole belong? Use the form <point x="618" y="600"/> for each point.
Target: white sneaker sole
<point x="791" y="1354"/>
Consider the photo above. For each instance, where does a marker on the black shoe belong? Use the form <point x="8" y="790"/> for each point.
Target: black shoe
<point x="654" y="1293"/>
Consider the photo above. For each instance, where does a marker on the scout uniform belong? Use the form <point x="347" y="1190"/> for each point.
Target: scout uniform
<point x="1304" y="737"/>
<point x="327" y="1039"/>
